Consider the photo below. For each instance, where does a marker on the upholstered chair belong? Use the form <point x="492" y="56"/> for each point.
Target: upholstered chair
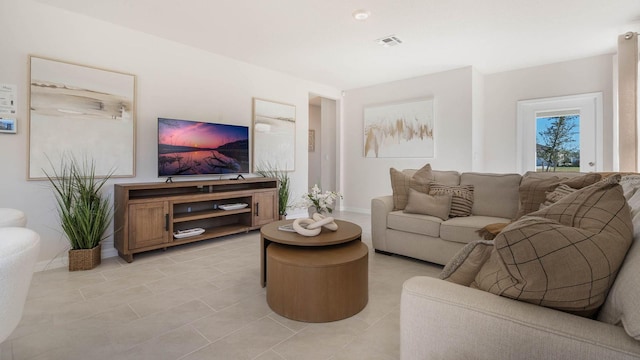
<point x="19" y="249"/>
<point x="12" y="217"/>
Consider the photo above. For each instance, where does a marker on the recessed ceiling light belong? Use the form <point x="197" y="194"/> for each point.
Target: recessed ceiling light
<point x="361" y="14"/>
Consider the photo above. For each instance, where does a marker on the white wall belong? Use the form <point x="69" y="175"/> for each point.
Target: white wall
<point x="503" y="90"/>
<point x="364" y="178"/>
<point x="477" y="155"/>
<point x="475" y="117"/>
<point x="173" y="80"/>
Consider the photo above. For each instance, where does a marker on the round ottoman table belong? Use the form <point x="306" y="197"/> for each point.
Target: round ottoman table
<point x="12" y="218"/>
<point x="317" y="284"/>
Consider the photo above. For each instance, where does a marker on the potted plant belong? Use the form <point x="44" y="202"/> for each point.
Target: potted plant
<point x="85" y="214"/>
<point x="284" y="191"/>
<point x="318" y="201"/>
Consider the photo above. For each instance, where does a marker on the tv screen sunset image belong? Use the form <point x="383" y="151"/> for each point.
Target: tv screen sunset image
<point x="201" y="148"/>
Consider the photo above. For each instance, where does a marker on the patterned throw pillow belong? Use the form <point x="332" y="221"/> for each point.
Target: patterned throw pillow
<point x="462" y="197"/>
<point x="533" y="191"/>
<point x="553" y="197"/>
<point x="464" y="266"/>
<point x="400" y="184"/>
<point x="565" y="256"/>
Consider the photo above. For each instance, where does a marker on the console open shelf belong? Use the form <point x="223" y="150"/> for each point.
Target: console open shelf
<point x="147" y="214"/>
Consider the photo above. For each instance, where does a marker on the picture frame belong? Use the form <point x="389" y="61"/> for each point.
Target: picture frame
<point x="8" y="125"/>
<point x="80" y="111"/>
<point x="312" y="140"/>
<point x="399" y="130"/>
<point x="274" y="135"/>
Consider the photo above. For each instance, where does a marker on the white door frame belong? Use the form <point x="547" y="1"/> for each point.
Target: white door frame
<point x="591" y="112"/>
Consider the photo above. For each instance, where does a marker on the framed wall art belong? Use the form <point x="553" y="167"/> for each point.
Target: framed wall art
<point x="312" y="140"/>
<point x="274" y="135"/>
<point x="82" y="111"/>
<point x="399" y="130"/>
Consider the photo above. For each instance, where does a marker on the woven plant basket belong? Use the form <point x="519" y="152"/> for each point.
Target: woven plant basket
<point x="84" y="259"/>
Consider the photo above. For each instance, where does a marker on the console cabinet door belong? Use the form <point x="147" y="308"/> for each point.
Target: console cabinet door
<point x="148" y="224"/>
<point x="265" y="207"/>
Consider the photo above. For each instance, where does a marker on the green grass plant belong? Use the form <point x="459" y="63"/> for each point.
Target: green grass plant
<point x="85" y="214"/>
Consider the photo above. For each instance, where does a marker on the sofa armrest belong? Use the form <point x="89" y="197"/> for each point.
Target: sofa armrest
<point x="443" y="320"/>
<point x="380" y="208"/>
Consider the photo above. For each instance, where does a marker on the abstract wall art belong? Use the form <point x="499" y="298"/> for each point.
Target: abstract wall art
<point x="399" y="130"/>
<point x="85" y="112"/>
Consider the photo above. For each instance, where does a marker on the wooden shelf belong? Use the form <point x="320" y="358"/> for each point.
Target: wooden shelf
<point x="147" y="214"/>
<point x="198" y="215"/>
<point x="215" y="232"/>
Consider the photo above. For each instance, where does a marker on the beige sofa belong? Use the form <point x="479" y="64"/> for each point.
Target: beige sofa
<point x="443" y="320"/>
<point x="432" y="239"/>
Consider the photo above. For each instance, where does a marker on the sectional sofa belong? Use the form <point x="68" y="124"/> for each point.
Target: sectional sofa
<point x="424" y="237"/>
<point x="445" y="320"/>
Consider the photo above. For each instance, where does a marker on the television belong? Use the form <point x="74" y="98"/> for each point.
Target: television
<point x="188" y="147"/>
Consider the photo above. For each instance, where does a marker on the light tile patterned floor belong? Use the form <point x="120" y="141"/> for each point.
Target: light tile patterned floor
<point x="200" y="301"/>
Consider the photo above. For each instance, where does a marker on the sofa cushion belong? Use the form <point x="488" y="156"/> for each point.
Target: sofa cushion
<point x="414" y="223"/>
<point x="461" y="200"/>
<point x="400" y="184"/>
<point x="434" y="205"/>
<point x="446" y="177"/>
<point x="623" y="301"/>
<point x="465" y="229"/>
<point x="565" y="256"/>
<point x="535" y="186"/>
<point x="489" y="187"/>
<point x="463" y="267"/>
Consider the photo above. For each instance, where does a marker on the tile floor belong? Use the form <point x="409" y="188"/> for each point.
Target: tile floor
<point x="200" y="301"/>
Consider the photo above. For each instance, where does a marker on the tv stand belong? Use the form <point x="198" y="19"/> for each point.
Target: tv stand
<point x="147" y="215"/>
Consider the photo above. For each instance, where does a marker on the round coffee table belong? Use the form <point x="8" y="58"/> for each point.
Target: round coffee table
<point x="315" y="279"/>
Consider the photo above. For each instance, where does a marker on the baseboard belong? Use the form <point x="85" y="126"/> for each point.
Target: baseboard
<point x="63" y="261"/>
<point x="356" y="210"/>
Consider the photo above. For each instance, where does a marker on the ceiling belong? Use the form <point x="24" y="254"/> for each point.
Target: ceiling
<point x="318" y="40"/>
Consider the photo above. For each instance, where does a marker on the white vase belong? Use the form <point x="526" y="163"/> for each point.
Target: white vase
<point x="312" y="210"/>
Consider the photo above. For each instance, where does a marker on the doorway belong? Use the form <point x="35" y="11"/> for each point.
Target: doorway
<point x="322" y="145"/>
<point x="580" y="115"/>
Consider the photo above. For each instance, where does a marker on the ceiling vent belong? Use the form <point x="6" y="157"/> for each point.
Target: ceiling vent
<point x="389" y="41"/>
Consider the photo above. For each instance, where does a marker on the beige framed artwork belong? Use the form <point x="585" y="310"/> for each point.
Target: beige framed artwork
<point x="82" y="111"/>
<point x="399" y="130"/>
<point x="274" y="130"/>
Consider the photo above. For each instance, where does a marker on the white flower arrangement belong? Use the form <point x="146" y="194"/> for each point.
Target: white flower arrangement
<point x="321" y="200"/>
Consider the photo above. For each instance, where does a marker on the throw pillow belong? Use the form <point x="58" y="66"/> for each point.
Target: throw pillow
<point x="400" y="184"/>
<point x="553" y="197"/>
<point x="461" y="200"/>
<point x="490" y="231"/>
<point x="565" y="256"/>
<point x="533" y="191"/>
<point x="433" y="205"/>
<point x="464" y="266"/>
<point x="424" y="174"/>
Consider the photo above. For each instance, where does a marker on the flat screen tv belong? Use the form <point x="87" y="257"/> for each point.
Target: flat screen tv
<point x="200" y="148"/>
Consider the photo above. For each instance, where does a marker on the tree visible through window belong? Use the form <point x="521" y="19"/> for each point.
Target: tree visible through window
<point x="558" y="143"/>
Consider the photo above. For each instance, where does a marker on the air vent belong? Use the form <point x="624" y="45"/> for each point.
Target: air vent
<point x="389" y="41"/>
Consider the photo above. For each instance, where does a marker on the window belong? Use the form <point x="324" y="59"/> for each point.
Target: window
<point x="584" y="110"/>
<point x="558" y="142"/>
